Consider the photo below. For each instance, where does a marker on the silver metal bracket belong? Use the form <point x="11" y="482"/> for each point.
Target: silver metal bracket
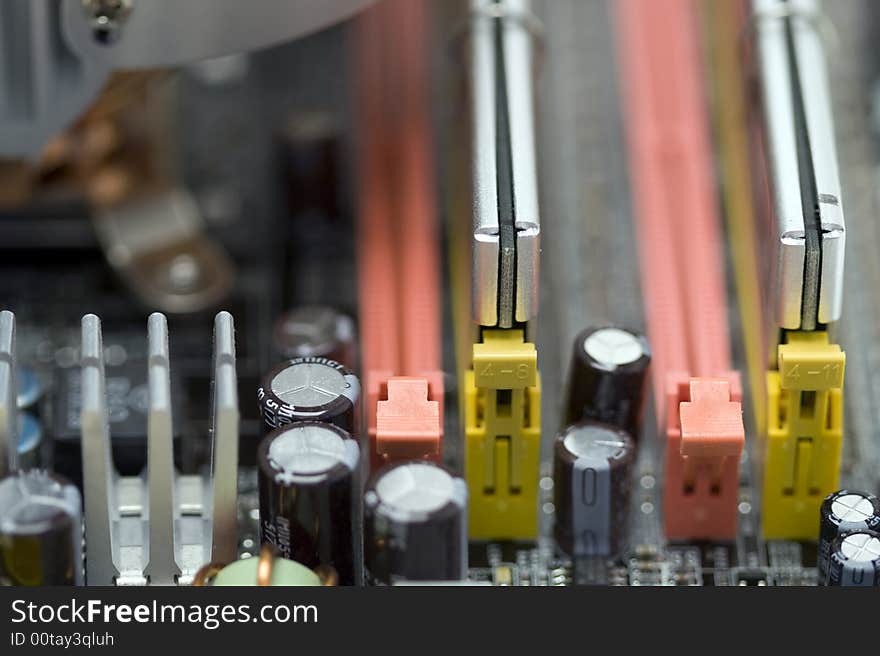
<point x="159" y="247"/>
<point x="506" y="220"/>
<point x="8" y="395"/>
<point x="805" y="190"/>
<point x="157" y="529"/>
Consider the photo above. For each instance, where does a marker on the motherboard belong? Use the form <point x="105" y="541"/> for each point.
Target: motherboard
<point x="494" y="292"/>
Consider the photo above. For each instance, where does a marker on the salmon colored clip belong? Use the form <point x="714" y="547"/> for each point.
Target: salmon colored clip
<point x="407" y="423"/>
<point x="705" y="438"/>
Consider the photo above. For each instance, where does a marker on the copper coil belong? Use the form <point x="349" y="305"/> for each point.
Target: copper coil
<point x="328" y="575"/>
<point x="206" y="574"/>
<point x="265" y="565"/>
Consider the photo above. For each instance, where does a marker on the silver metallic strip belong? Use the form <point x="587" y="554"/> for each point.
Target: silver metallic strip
<point x="519" y="65"/>
<point x="8" y="395"/>
<point x="813" y="74"/>
<point x="224" y="475"/>
<point x="514" y="287"/>
<point x="807" y="293"/>
<point x="99" y="477"/>
<point x="776" y="91"/>
<point x="484" y="166"/>
<point x="161" y="566"/>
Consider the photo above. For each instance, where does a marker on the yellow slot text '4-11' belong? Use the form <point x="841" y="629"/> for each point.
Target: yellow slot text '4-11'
<point x="804" y="434"/>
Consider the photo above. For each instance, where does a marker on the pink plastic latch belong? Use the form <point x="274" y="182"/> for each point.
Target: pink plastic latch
<point x="704" y="441"/>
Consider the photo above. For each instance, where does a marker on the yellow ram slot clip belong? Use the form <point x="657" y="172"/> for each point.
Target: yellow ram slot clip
<point x="503" y="435"/>
<point x="804" y="434"/>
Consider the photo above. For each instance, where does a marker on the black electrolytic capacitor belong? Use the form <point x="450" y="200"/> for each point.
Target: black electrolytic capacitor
<point x="608" y="378"/>
<point x="309" y="476"/>
<point x="40" y="530"/>
<point x="592" y="470"/>
<point x="843" y="511"/>
<point x="415" y="524"/>
<point x="310" y="389"/>
<point x="855" y="559"/>
<point x="317" y="331"/>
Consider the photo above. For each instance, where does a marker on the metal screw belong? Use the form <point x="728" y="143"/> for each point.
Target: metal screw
<point x="107" y="18"/>
<point x="183" y="273"/>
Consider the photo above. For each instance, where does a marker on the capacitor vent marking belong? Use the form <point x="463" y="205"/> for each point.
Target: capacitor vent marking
<point x="613" y="347"/>
<point x="306" y="450"/>
<point x="308" y="384"/>
<point x="852" y="508"/>
<point x="854" y="560"/>
<point x="310" y="388"/>
<point x="584" y="444"/>
<point x="33" y="500"/>
<point x="861" y="547"/>
<point x="415" y="488"/>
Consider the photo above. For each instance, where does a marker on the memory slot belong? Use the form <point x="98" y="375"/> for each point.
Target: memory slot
<point x="397" y="234"/>
<point x="682" y="266"/>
